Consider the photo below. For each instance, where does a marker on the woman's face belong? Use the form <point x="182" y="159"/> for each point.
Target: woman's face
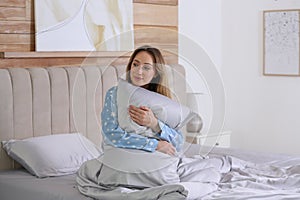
<point x="142" y="69"/>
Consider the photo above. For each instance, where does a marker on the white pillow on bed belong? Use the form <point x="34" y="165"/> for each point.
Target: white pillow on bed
<point x="165" y="109"/>
<point x="52" y="155"/>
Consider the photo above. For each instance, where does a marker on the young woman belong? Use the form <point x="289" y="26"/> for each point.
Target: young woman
<point x="146" y="68"/>
<point x="116" y="170"/>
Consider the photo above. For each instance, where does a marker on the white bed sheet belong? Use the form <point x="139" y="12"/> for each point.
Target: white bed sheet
<point x="20" y="185"/>
<point x="254" y="175"/>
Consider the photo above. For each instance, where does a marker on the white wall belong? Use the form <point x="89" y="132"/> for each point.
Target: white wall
<point x="200" y="20"/>
<point x="261" y="111"/>
<point x="200" y="25"/>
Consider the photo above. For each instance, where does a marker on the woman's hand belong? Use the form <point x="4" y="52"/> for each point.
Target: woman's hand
<point x="166" y="147"/>
<point x="144" y="116"/>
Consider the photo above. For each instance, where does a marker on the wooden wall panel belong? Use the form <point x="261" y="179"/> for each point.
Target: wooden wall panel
<point x="162" y="35"/>
<point x="16" y="38"/>
<point x="17" y="47"/>
<point x="155" y="23"/>
<point x="13" y="3"/>
<point x="16" y="27"/>
<point x="160" y="2"/>
<point x="62" y="62"/>
<point x="155" y="15"/>
<point x="12" y="13"/>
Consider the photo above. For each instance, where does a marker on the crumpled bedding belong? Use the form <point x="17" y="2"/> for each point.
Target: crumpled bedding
<point x="90" y="185"/>
<point x="268" y="181"/>
<point x="215" y="177"/>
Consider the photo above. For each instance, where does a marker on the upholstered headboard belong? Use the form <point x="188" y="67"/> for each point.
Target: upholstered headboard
<point x="44" y="101"/>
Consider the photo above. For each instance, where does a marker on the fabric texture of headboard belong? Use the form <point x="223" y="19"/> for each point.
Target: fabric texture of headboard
<point x="44" y="101"/>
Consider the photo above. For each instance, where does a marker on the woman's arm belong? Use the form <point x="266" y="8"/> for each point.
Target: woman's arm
<point x="114" y="134"/>
<point x="173" y="136"/>
<point x="145" y="117"/>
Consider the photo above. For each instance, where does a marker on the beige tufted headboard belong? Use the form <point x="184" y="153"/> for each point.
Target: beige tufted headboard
<point x="43" y="101"/>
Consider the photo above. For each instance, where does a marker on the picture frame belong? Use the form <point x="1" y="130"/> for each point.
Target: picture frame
<point x="84" y="25"/>
<point x="281" y="44"/>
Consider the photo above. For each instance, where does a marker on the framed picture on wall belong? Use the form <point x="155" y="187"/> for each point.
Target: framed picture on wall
<point x="281" y="42"/>
<point x="84" y="25"/>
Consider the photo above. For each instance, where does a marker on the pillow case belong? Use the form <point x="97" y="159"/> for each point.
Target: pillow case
<point x="132" y="167"/>
<point x="52" y="155"/>
<point x="165" y="109"/>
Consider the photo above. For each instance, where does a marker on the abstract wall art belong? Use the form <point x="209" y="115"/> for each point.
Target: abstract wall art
<point x="281" y="42"/>
<point x="84" y="25"/>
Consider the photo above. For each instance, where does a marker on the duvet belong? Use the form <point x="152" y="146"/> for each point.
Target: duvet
<point x="221" y="175"/>
<point x="132" y="174"/>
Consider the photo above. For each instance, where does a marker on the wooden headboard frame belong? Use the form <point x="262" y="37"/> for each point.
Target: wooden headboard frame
<point x="44" y="101"/>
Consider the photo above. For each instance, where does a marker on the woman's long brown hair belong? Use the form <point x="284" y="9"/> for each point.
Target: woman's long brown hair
<point x="159" y="83"/>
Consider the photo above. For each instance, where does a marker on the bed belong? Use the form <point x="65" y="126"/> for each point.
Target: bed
<point x="66" y="102"/>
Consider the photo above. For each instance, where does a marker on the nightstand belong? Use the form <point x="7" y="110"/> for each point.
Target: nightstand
<point x="221" y="140"/>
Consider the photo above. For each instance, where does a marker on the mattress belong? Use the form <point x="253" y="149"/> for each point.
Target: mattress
<point x="20" y="185"/>
<point x="255" y="176"/>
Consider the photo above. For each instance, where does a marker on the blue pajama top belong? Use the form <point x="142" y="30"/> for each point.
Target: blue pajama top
<point x="114" y="135"/>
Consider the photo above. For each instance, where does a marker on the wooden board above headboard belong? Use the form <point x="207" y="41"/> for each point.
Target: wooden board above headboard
<point x="155" y="23"/>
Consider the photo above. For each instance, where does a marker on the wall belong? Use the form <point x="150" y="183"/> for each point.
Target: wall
<point x="200" y="26"/>
<point x="155" y="23"/>
<point x="205" y="31"/>
<point x="262" y="111"/>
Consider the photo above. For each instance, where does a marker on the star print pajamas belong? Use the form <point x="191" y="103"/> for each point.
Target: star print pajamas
<point x="114" y="135"/>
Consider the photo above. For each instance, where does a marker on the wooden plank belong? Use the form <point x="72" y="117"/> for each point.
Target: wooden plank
<point x="160" y="2"/>
<point x="157" y="15"/>
<point x="67" y="54"/>
<point x="151" y="34"/>
<point x="167" y="28"/>
<point x="13" y="59"/>
<point x="16" y="27"/>
<point x="72" y="54"/>
<point x="59" y="62"/>
<point x="16" y="47"/>
<point x="16" y="38"/>
<point x="12" y="13"/>
<point x="63" y="62"/>
<point x="12" y="3"/>
<point x="29" y="11"/>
